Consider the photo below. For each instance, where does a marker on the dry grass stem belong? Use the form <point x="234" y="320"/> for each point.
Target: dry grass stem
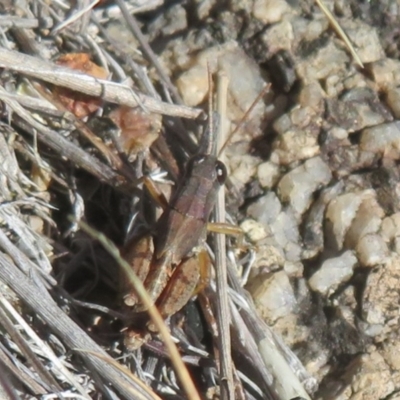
<point x="155" y="315"/>
<point x="108" y="91"/>
<point x="340" y="32"/>
<point x="89" y="145"/>
<point x="223" y="315"/>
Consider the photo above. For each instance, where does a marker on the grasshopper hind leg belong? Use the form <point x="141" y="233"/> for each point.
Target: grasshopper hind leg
<point x="188" y="278"/>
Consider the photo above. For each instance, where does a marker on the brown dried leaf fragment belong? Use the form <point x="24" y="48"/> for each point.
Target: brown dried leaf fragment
<point x="79" y="104"/>
<point x="138" y="129"/>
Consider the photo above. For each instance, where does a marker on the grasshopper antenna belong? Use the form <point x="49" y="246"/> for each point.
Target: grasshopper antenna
<point x="208" y="145"/>
<point x="244" y="118"/>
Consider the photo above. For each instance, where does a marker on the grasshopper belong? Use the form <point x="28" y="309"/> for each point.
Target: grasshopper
<point x="173" y="262"/>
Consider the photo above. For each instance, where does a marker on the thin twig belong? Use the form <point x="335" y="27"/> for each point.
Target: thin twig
<point x="62" y="146"/>
<point x="154" y="314"/>
<point x="10" y="21"/>
<point x="340" y="32"/>
<point x="21" y="375"/>
<point x="223" y="316"/>
<point x="44" y="306"/>
<point x="73" y="18"/>
<point x="109" y="91"/>
<point x="61" y="369"/>
<point x="134" y="27"/>
<point x="284" y="381"/>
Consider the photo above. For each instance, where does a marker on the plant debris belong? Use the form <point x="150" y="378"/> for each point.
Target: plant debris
<point x="102" y="105"/>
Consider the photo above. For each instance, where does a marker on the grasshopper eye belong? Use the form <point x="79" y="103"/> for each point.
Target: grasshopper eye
<point x="220" y="169"/>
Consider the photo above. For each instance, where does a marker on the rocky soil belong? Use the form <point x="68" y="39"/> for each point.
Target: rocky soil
<point x="314" y="172"/>
<point x="316" y="168"/>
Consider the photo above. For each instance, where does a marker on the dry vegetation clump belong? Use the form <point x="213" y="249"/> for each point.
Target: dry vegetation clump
<point x="83" y="121"/>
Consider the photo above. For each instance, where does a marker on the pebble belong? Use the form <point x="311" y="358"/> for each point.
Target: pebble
<point x="242" y="169"/>
<point x="268" y="174"/>
<point x="372" y="250"/>
<point x="393" y="101"/>
<point x="315" y="28"/>
<point x="254" y="230"/>
<point x="365" y="40"/>
<point x="294" y="269"/>
<point x="391" y="354"/>
<point x="367" y="377"/>
<point x="298" y="186"/>
<point x="285" y="228"/>
<point x="381" y="294"/>
<point x="383" y="139"/>
<point x="246" y="81"/>
<point x="340" y="213"/>
<point x="273" y="296"/>
<point x="312" y="96"/>
<point x="203" y="8"/>
<point x="170" y="22"/>
<point x="301" y="116"/>
<point x="279" y="37"/>
<point x="357" y="109"/>
<point x="325" y="62"/>
<point x="313" y="236"/>
<point x="270" y="11"/>
<point x="385" y="72"/>
<point x="391" y="227"/>
<point x="295" y="145"/>
<point x="268" y="256"/>
<point x="283" y="124"/>
<point x="367" y="220"/>
<point x="265" y="209"/>
<point x="333" y="273"/>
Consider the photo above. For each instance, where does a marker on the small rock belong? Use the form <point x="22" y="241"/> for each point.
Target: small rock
<point x="243" y="168"/>
<point x="273" y="296"/>
<point x="315" y="28"/>
<point x="279" y="37"/>
<point x="203" y="8"/>
<point x="341" y="212"/>
<point x="312" y="96"/>
<point x="367" y="377"/>
<point x="268" y="174"/>
<point x="283" y="124"/>
<point x="268" y="256"/>
<point x="355" y="80"/>
<point x="371" y="250"/>
<point x="338" y="133"/>
<point x="365" y="40"/>
<point x="393" y="100"/>
<point x="391" y="227"/>
<point x="285" y="228"/>
<point x="294" y="269"/>
<point x="173" y="20"/>
<point x="270" y="11"/>
<point x="368" y="220"/>
<point x="298" y="185"/>
<point x="295" y="145"/>
<point x="357" y="109"/>
<point x="326" y="62"/>
<point x="293" y="252"/>
<point x="385" y="72"/>
<point x="383" y="139"/>
<point x="381" y="294"/>
<point x="254" y="230"/>
<point x="301" y="116"/>
<point x="266" y="209"/>
<point x="333" y="273"/>
<point x="391" y="354"/>
<point x="244" y="75"/>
